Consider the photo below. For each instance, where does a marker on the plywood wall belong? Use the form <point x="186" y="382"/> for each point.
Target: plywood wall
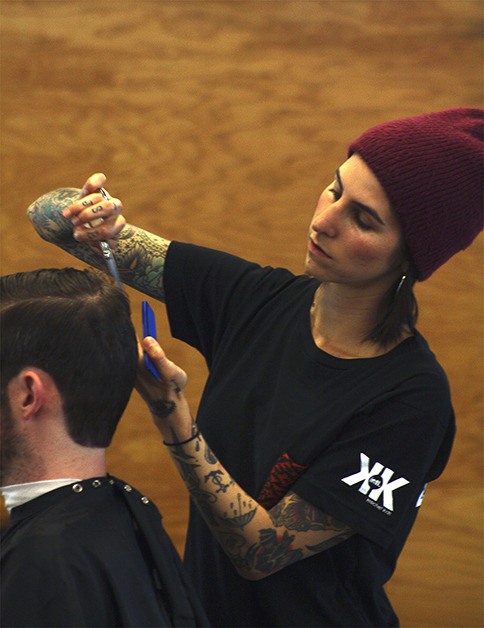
<point x="220" y="123"/>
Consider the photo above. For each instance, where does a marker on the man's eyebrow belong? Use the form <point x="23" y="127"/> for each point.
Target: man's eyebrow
<point x="364" y="208"/>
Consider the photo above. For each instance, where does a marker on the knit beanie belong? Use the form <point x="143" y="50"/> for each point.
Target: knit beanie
<point x="431" y="168"/>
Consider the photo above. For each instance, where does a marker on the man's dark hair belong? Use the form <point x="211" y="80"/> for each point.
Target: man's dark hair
<point x="76" y="327"/>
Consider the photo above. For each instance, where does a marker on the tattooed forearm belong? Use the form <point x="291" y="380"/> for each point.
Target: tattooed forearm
<point x="325" y="545"/>
<point x="162" y="408"/>
<point x="257" y="541"/>
<point x="140" y="255"/>
<point x="240" y="512"/>
<point x="188" y="469"/>
<point x="297" y="514"/>
<point x="209" y="455"/>
<point x="272" y="553"/>
<point x="217" y="477"/>
<point x="45" y="214"/>
<point x="46" y="217"/>
<point x="234" y="545"/>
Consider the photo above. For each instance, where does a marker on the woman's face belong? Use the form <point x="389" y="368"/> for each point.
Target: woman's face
<point x="354" y="236"/>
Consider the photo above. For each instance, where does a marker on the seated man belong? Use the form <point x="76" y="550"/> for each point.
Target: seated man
<point x="83" y="548"/>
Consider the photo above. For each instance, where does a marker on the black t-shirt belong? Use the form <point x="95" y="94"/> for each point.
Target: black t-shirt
<point x="368" y="433"/>
<point x="93" y="553"/>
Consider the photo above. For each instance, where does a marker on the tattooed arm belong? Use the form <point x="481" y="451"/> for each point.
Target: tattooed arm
<point x="258" y="542"/>
<point x="70" y="218"/>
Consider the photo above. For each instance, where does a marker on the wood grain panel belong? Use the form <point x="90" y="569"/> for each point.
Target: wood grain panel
<point x="219" y="123"/>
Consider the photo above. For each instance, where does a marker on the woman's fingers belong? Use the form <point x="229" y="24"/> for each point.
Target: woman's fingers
<point x="100" y="229"/>
<point x="94" y="218"/>
<point x="172" y="375"/>
<point x="91" y="207"/>
<point x="95" y="181"/>
<point x="95" y="215"/>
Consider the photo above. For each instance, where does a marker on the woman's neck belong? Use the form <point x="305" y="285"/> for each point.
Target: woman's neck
<point x="342" y="317"/>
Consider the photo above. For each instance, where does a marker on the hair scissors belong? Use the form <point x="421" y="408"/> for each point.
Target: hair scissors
<point x="108" y="252"/>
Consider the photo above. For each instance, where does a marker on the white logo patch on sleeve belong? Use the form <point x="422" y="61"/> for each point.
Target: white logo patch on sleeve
<point x="375" y="483"/>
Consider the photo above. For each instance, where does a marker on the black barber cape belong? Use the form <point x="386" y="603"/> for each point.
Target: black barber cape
<point x="93" y="553"/>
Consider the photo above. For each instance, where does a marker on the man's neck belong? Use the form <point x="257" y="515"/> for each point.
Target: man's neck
<point x="74" y="462"/>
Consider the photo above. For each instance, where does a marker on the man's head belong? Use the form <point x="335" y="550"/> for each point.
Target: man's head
<point x="76" y="327"/>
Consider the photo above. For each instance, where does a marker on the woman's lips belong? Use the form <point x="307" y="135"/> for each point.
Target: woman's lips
<point x="317" y="251"/>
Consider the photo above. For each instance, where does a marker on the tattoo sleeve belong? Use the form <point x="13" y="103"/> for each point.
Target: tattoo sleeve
<point x="140" y="255"/>
<point x="258" y="542"/>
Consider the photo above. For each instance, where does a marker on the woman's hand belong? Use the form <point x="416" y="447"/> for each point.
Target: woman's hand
<point x="164" y="398"/>
<point x="95" y="216"/>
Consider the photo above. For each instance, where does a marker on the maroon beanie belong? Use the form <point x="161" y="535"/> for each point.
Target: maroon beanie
<point x="431" y="167"/>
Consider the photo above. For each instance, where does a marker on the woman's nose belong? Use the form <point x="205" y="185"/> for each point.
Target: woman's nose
<point x="326" y="219"/>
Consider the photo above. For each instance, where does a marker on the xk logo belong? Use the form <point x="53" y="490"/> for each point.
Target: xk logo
<point x="375" y="483"/>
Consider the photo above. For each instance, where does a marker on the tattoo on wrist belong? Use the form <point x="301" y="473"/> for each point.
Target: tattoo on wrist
<point x="209" y="455"/>
<point x="176" y="442"/>
<point x="217" y="478"/>
<point x="162" y="408"/>
<point x="176" y="388"/>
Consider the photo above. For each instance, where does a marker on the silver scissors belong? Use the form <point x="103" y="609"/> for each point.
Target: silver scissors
<point x="108" y="252"/>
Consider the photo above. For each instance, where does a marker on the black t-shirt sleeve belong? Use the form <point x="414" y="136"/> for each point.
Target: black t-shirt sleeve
<point x="204" y="290"/>
<point x="372" y="477"/>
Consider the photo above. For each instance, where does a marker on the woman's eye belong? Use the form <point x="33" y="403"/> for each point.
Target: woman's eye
<point x="361" y="223"/>
<point x="336" y="193"/>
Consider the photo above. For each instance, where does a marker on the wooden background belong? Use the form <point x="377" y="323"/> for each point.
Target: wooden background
<point x="220" y="123"/>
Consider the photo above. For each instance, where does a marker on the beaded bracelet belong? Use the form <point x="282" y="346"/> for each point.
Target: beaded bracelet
<point x="183" y="442"/>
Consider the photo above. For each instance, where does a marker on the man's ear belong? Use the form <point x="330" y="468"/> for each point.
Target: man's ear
<point x="29" y="392"/>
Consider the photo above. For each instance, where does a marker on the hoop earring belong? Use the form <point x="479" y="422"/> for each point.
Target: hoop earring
<point x="402" y="281"/>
